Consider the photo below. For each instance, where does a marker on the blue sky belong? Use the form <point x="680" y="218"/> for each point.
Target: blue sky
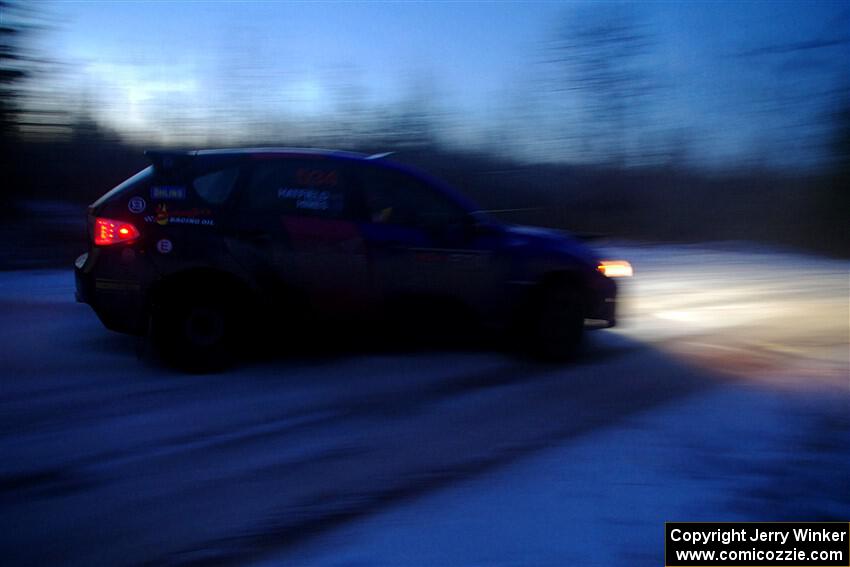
<point x="474" y="60"/>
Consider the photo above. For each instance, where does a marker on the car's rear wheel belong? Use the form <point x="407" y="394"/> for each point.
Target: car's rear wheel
<point x="557" y="325"/>
<point x="194" y="332"/>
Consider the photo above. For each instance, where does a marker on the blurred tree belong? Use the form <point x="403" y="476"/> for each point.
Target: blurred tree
<point x="349" y="113"/>
<point x="797" y="83"/>
<point x="810" y="88"/>
<point x="841" y="146"/>
<point x="20" y="63"/>
<point x="413" y="122"/>
<point x="12" y="72"/>
<point x="837" y="203"/>
<point x="599" y="59"/>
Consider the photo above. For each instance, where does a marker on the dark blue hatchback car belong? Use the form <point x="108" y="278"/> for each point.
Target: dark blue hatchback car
<point x="204" y="247"/>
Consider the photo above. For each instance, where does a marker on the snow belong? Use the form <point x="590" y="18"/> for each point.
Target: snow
<point x="754" y="311"/>
<point x="602" y="500"/>
<point x="723" y="395"/>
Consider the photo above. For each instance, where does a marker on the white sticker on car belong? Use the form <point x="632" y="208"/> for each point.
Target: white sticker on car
<point x="137" y="205"/>
<point x="168" y="192"/>
<point x="164" y="246"/>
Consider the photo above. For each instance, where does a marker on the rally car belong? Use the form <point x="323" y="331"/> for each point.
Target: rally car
<point x="205" y="247"/>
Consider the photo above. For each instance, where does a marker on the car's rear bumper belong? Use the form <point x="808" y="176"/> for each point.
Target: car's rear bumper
<point x="119" y="302"/>
<point x="81" y="291"/>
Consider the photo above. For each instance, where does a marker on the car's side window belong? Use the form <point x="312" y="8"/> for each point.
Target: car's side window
<point x="394" y="197"/>
<point x="315" y="188"/>
<point x="216" y="187"/>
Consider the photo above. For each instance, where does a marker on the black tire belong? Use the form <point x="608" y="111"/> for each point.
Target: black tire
<point x="195" y="332"/>
<point x="558" y="322"/>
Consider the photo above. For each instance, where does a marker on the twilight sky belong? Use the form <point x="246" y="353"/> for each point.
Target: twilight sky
<point x="738" y="78"/>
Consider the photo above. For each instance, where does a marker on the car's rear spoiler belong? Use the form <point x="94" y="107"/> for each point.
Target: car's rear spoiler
<point x="169" y="159"/>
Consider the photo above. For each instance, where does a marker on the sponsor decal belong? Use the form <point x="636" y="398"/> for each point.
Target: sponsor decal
<point x="137" y="205"/>
<point x="161" y="214"/>
<point x="308" y="234"/>
<point x="316" y="178"/>
<point x="196" y="216"/>
<point x="164" y="246"/>
<point x="168" y="192"/>
<point x="311" y="199"/>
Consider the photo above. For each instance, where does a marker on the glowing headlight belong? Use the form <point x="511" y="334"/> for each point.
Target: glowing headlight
<point x="615" y="268"/>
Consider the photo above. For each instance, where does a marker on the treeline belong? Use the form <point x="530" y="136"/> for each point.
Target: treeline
<point x="610" y="161"/>
<point x="656" y="203"/>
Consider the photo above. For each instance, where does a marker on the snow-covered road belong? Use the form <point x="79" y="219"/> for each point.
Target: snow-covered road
<point x="723" y="395"/>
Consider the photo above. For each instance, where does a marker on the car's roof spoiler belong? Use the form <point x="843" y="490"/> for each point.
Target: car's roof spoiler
<point x="169" y="159"/>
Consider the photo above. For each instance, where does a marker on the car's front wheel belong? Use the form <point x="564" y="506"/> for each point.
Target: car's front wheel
<point x="557" y="325"/>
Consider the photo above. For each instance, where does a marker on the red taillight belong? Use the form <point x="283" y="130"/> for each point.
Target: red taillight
<point x="108" y="231"/>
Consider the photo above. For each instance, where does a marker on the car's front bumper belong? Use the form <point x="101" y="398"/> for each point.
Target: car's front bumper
<point x="601" y="303"/>
<point x="603" y="318"/>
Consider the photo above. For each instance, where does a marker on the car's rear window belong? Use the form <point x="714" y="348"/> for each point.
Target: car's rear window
<point x="142" y="176"/>
<point x="215" y="187"/>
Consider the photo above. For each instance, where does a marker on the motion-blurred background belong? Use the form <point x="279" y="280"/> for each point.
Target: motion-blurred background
<point x="663" y="122"/>
<point x="710" y="142"/>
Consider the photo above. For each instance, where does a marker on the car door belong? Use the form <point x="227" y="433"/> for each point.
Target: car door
<point x="186" y="214"/>
<point x="296" y="219"/>
<point x="424" y="243"/>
